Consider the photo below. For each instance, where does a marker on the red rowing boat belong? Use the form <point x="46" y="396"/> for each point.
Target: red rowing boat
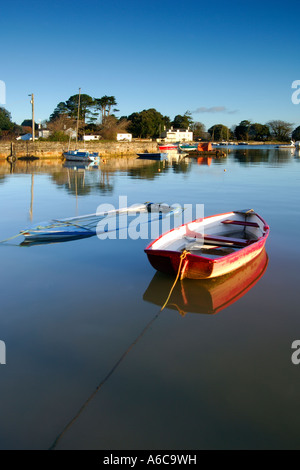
<point x="166" y="147"/>
<point x="210" y="247"/>
<point x="207" y="296"/>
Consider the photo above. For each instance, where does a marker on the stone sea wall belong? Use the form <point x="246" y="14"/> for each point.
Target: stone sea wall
<point x="56" y="149"/>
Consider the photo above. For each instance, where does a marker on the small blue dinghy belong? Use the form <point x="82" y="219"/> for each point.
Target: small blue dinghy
<point x="84" y="226"/>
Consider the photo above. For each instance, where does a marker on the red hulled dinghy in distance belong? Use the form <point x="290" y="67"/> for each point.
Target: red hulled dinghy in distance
<point x="210" y="247"/>
<point x="167" y="147"/>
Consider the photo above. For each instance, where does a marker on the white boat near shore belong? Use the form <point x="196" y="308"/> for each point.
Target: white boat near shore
<point x="81" y="156"/>
<point x="287" y="146"/>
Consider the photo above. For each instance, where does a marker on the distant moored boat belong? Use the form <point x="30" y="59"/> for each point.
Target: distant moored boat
<point x="166" y="147"/>
<point x="286" y="146"/>
<point x="188" y="147"/>
<point x="152" y="156"/>
<point x="81" y="155"/>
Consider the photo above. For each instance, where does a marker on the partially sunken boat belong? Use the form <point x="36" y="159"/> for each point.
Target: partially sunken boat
<point x="57" y="230"/>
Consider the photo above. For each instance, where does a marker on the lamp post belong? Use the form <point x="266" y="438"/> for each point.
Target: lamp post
<point x="33" y="125"/>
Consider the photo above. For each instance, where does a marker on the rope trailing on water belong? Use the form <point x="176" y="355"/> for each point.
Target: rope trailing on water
<point x="11" y="238"/>
<point x="117" y="364"/>
<point x="182" y="258"/>
<point x="101" y="384"/>
<point x="181" y="312"/>
<point x="67" y="224"/>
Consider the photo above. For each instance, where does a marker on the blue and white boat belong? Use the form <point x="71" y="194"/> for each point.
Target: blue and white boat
<point x="287" y="146"/>
<point x="81" y="156"/>
<point x="58" y="230"/>
<point x="188" y="147"/>
<point x="153" y="156"/>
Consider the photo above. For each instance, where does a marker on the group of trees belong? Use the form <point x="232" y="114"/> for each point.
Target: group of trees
<point x="90" y="109"/>
<point x="149" y="123"/>
<point x="7" y="127"/>
<point x="92" y="115"/>
<point x="97" y="116"/>
<point x="276" y="130"/>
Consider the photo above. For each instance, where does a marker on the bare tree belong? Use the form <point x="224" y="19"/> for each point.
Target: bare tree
<point x="112" y="127"/>
<point x="280" y="130"/>
<point x="62" y="123"/>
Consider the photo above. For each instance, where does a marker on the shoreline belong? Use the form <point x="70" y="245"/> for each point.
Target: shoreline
<point x="56" y="149"/>
<point x="44" y="149"/>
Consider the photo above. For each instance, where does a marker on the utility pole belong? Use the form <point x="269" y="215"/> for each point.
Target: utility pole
<point x="78" y="110"/>
<point x="33" y="124"/>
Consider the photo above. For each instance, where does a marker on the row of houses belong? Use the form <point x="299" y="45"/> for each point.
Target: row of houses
<point x="45" y="133"/>
<point x="171" y="135"/>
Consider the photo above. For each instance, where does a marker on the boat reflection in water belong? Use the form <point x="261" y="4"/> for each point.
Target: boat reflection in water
<point x="206" y="296"/>
<point x="204" y="161"/>
<point x="81" y="165"/>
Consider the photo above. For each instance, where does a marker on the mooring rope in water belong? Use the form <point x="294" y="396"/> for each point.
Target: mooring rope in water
<point x="11" y="238"/>
<point x="182" y="257"/>
<point x="90" y="398"/>
<point x="103" y="381"/>
<point x="181" y="312"/>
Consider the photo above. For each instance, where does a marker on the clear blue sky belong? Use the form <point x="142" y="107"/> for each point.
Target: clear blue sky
<point x="224" y="61"/>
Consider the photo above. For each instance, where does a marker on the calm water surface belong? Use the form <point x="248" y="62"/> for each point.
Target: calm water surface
<point x="85" y="339"/>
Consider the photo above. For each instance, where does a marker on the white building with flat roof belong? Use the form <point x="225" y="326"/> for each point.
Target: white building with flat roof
<point x="177" y="135"/>
<point x="88" y="138"/>
<point x="124" y="137"/>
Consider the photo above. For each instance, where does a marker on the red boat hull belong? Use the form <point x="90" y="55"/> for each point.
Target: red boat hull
<point x="207" y="296"/>
<point x="164" y="148"/>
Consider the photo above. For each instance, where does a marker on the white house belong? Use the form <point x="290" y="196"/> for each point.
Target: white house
<point x="70" y="132"/>
<point x="44" y="133"/>
<point x="177" y="135"/>
<point x="124" y="137"/>
<point x="88" y="138"/>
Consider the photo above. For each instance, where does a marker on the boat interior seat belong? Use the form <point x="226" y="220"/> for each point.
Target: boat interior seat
<point x="238" y="222"/>
<point x="218" y="240"/>
<point x="213" y="250"/>
<point x="227" y="240"/>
